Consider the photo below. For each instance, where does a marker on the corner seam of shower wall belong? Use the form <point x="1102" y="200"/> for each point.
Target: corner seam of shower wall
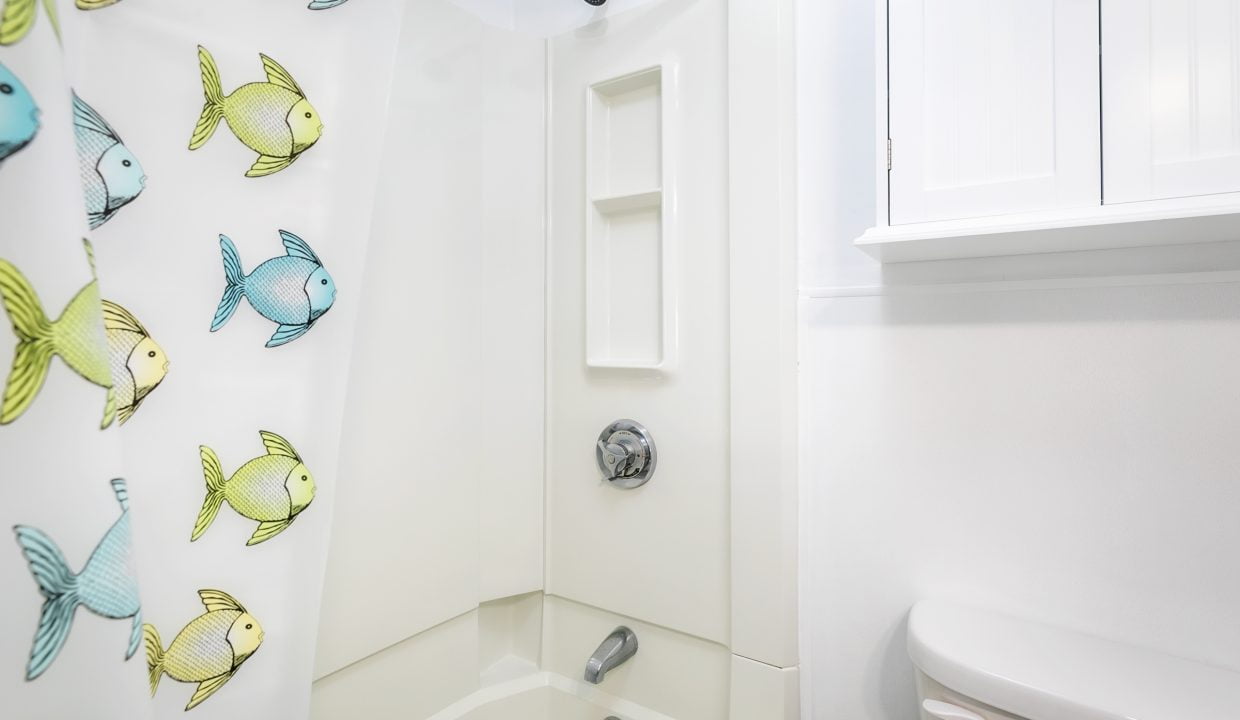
<point x="546" y="330"/>
<point x="764" y="372"/>
<point x="764" y="470"/>
<point x="546" y="325"/>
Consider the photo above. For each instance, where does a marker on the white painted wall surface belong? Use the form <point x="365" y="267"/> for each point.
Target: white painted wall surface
<point x="440" y="493"/>
<point x="1057" y="449"/>
<point x="836" y="123"/>
<point x="1064" y="455"/>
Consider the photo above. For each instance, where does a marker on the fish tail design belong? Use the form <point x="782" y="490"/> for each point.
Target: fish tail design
<point x="97" y="219"/>
<point x="109" y="409"/>
<point x="267" y="165"/>
<point x="215" y="491"/>
<point x="17" y="20"/>
<point x="35" y="345"/>
<point x="325" y="4"/>
<point x="135" y="635"/>
<point x="60" y="590"/>
<point x="213" y="108"/>
<point x="154" y="655"/>
<point x="234" y="288"/>
<point x="288" y="333"/>
<point x="53" y="16"/>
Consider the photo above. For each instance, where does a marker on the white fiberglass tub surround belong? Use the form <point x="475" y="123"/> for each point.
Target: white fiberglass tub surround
<point x="544" y="18"/>
<point x="545" y="696"/>
<point x="506" y="539"/>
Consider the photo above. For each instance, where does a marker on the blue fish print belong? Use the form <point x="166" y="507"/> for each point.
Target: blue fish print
<point x="106" y="586"/>
<point x="19" y="116"/>
<point x="293" y="291"/>
<point x="111" y="176"/>
<point x="325" y="4"/>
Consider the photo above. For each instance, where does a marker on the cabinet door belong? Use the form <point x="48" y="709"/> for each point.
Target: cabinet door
<point x="1171" y="98"/>
<point x="993" y="107"/>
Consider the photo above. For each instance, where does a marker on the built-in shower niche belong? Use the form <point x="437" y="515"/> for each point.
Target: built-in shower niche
<point x="630" y="319"/>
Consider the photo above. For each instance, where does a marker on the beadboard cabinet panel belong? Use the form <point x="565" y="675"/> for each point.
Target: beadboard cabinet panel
<point x="993" y="107"/>
<point x="1171" y="98"/>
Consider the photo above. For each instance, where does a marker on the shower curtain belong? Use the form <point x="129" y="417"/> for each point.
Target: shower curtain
<point x="185" y="195"/>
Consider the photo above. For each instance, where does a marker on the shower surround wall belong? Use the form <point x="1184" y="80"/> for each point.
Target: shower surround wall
<point x="447" y="584"/>
<point x="444" y="443"/>
<point x="1061" y="449"/>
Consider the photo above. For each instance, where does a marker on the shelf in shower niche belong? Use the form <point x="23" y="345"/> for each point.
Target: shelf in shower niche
<point x="624" y="283"/>
<point x="624" y="120"/>
<point x="629" y="244"/>
<point x="629" y="202"/>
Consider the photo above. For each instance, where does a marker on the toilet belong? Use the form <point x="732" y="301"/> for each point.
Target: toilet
<point x="975" y="664"/>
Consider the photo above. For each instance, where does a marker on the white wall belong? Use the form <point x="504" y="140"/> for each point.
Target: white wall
<point x="439" y="503"/>
<point x="1060" y="449"/>
<point x="659" y="552"/>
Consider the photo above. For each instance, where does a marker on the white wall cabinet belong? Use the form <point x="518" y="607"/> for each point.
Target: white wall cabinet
<point x="1034" y="126"/>
<point x="1171" y="98"/>
<point x="994" y="107"/>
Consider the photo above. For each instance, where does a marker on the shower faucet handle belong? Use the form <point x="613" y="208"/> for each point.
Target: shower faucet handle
<point x="625" y="453"/>
<point x="615" y="458"/>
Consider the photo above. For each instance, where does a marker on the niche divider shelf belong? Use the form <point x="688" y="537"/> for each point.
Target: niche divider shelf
<point x="630" y="289"/>
<point x="633" y="201"/>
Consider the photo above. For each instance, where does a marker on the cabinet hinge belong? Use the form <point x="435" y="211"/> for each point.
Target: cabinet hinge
<point x="888" y="154"/>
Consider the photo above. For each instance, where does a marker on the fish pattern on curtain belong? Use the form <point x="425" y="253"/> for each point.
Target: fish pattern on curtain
<point x="185" y="198"/>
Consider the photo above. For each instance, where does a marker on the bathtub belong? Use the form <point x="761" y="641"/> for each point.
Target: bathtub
<point x="545" y="696"/>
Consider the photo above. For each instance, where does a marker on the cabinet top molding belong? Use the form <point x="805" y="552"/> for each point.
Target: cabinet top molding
<point x="1181" y="221"/>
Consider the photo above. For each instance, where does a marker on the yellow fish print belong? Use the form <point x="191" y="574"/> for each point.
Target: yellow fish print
<point x="272" y="489"/>
<point x="94" y="4"/>
<point x="138" y="363"/>
<point x="208" y="651"/>
<point x="76" y="336"/>
<point x="272" y="118"/>
<point x="17" y="17"/>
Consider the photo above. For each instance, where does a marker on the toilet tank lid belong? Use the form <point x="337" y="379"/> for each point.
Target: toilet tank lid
<point x="1044" y="673"/>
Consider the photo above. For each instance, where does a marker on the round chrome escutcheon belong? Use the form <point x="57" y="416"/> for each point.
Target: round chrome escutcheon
<point x="626" y="454"/>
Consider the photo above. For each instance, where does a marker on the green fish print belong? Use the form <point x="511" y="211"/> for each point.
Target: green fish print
<point x="111" y="176"/>
<point x="208" y="651"/>
<point x="272" y="489"/>
<point x="94" y="4"/>
<point x="106" y="586"/>
<point x="17" y="17"/>
<point x="77" y="337"/>
<point x="272" y="118"/>
<point x="138" y="363"/>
